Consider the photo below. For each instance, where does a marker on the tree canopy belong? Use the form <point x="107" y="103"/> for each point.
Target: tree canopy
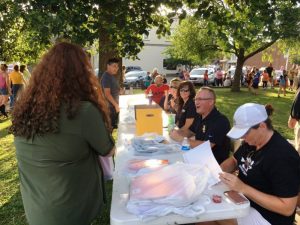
<point x="191" y="41"/>
<point x="247" y="27"/>
<point x="117" y="25"/>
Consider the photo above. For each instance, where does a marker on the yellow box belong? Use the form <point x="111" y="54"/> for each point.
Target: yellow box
<point x="148" y="119"/>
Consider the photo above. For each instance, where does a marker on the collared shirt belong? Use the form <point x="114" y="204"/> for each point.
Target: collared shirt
<point x="213" y="128"/>
<point x="188" y="111"/>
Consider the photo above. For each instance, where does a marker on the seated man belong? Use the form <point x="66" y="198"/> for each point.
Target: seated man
<point x="157" y="89"/>
<point x="268" y="167"/>
<point x="208" y="125"/>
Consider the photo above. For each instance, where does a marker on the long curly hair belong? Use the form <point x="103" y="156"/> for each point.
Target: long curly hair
<point x="64" y="77"/>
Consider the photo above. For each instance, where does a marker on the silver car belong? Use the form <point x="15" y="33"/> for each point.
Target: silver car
<point x="135" y="78"/>
<point x="197" y="76"/>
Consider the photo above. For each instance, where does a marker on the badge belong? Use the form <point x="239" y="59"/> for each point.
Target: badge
<point x="203" y="129"/>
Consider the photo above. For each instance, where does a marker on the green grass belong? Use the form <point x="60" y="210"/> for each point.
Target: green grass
<point x="11" y="209"/>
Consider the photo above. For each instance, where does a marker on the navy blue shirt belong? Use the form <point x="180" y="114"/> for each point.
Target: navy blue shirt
<point x="110" y="81"/>
<point x="188" y="111"/>
<point x="213" y="128"/>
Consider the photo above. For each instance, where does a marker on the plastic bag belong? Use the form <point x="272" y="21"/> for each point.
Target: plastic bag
<point x="151" y="144"/>
<point x="107" y="165"/>
<point x="171" y="189"/>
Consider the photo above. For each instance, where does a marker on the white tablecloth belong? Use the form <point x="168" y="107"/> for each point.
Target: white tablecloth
<point x="119" y="214"/>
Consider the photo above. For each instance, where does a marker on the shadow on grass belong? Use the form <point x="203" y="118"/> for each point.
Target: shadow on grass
<point x="12" y="212"/>
<point x="104" y="218"/>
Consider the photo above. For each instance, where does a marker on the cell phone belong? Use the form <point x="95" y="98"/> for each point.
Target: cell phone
<point x="236" y="197"/>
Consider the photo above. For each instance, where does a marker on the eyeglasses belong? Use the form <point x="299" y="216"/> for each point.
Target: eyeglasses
<point x="173" y="87"/>
<point x="202" y="99"/>
<point x="184" y="90"/>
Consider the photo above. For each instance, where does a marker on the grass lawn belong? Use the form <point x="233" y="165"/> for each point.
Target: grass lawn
<point x="11" y="209"/>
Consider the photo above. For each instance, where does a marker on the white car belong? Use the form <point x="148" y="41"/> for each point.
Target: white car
<point x="197" y="76"/>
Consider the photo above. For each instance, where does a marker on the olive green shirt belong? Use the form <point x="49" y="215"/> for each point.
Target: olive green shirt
<point x="61" y="181"/>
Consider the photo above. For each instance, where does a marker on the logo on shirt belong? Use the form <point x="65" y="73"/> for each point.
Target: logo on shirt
<point x="246" y="164"/>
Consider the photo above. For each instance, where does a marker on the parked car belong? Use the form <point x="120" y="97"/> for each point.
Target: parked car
<point x="231" y="71"/>
<point x="197" y="76"/>
<point x="278" y="74"/>
<point x="135" y="79"/>
<point x="133" y="68"/>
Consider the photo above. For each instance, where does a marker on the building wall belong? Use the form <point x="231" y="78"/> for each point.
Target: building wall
<point x="278" y="59"/>
<point x="152" y="54"/>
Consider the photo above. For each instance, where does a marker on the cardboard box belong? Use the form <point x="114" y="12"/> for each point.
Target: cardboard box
<point x="148" y="119"/>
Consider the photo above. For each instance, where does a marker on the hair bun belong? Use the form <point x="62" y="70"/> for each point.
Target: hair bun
<point x="269" y="109"/>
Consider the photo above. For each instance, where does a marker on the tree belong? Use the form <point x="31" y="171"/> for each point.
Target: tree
<point x="117" y="25"/>
<point x="191" y="41"/>
<point x="247" y="27"/>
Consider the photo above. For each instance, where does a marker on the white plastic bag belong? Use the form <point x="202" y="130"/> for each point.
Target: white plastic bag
<point x="171" y="189"/>
<point x="107" y="165"/>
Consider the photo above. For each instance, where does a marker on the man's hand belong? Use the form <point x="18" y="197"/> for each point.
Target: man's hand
<point x="117" y="108"/>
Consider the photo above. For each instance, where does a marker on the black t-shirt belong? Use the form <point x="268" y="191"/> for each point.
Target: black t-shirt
<point x="269" y="70"/>
<point x="110" y="81"/>
<point x="162" y="101"/>
<point x="188" y="111"/>
<point x="214" y="128"/>
<point x="295" y="111"/>
<point x="273" y="169"/>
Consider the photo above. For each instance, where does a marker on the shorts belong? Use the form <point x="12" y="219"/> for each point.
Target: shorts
<point x="3" y="91"/>
<point x="254" y="217"/>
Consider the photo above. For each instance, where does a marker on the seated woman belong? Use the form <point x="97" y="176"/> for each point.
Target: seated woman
<point x="169" y="101"/>
<point x="186" y="106"/>
<point x="268" y="167"/>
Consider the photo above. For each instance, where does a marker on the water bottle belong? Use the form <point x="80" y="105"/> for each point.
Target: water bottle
<point x="171" y="122"/>
<point x="185" y="145"/>
<point x="150" y="97"/>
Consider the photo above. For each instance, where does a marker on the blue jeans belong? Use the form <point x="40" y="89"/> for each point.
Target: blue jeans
<point x="15" y="90"/>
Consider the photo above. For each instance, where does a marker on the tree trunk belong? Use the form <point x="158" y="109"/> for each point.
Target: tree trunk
<point x="238" y="74"/>
<point x="105" y="51"/>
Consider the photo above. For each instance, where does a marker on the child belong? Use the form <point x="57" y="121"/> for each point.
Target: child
<point x="265" y="79"/>
<point x="282" y="85"/>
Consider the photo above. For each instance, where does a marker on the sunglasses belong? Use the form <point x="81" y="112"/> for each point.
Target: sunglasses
<point x="184" y="90"/>
<point x="174" y="87"/>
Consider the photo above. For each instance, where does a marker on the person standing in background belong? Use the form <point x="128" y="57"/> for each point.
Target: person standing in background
<point x="26" y="74"/>
<point x="16" y="82"/>
<point x="269" y="70"/>
<point x="111" y="89"/>
<point x="4" y="89"/>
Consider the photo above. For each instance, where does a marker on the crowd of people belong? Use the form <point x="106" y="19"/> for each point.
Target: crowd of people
<point x="11" y="83"/>
<point x="61" y="128"/>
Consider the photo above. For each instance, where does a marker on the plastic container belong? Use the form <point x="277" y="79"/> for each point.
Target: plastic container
<point x="171" y="122"/>
<point x="185" y="145"/>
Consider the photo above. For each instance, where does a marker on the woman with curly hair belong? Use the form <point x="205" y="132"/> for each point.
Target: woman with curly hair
<point x="186" y="111"/>
<point x="61" y="125"/>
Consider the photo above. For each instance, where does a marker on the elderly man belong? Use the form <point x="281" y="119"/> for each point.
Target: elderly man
<point x="209" y="125"/>
<point x="157" y="89"/>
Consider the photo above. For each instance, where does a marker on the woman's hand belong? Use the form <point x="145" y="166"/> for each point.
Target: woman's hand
<point x="232" y="182"/>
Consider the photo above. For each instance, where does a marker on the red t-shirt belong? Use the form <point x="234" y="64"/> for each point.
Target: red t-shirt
<point x="157" y="92"/>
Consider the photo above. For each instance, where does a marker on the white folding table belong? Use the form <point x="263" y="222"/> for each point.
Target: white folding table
<point x="120" y="195"/>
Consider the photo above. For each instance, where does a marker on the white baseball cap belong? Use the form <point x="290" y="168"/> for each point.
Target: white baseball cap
<point x="245" y="117"/>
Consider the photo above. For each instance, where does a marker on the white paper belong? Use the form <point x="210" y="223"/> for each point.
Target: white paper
<point x="202" y="155"/>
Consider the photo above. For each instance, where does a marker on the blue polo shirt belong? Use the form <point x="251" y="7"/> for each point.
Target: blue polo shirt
<point x="213" y="128"/>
